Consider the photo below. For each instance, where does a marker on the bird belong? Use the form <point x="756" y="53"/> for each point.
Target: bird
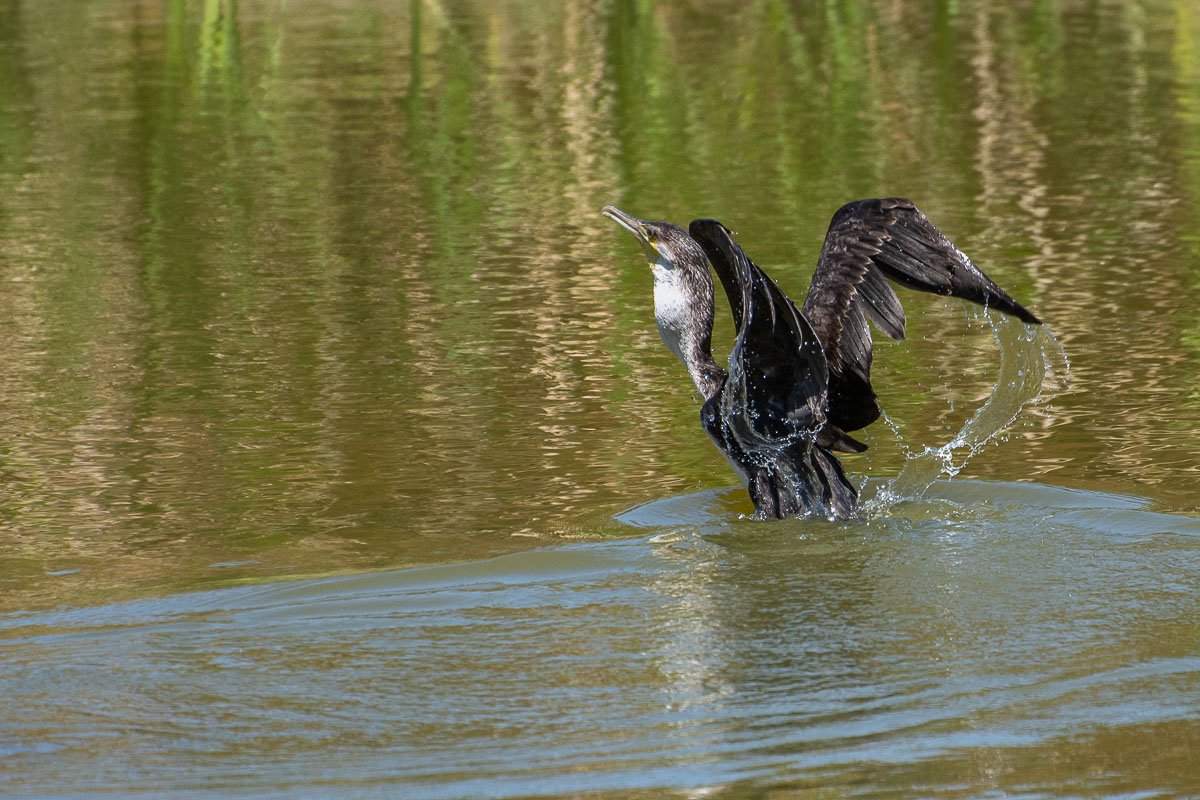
<point x="798" y="381"/>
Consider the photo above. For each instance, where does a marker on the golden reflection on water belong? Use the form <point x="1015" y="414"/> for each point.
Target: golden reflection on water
<point x="322" y="287"/>
<point x="335" y="295"/>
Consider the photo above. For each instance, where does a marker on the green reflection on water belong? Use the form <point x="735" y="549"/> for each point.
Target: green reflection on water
<point x="310" y="287"/>
<point x="325" y="288"/>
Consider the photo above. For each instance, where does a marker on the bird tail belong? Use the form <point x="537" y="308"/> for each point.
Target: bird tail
<point x="813" y="484"/>
<point x="839" y="493"/>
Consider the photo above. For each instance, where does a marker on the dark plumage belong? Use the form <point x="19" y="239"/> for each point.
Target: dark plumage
<point x="798" y="381"/>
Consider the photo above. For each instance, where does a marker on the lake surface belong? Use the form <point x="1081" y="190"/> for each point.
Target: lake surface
<point x="341" y="456"/>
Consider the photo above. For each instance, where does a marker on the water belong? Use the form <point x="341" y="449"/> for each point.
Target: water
<point x="1029" y="359"/>
<point x="950" y="647"/>
<point x="341" y="456"/>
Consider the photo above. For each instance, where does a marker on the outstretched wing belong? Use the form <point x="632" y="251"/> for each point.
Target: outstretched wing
<point x="777" y="372"/>
<point x="868" y="240"/>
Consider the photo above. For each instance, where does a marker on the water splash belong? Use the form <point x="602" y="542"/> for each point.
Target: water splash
<point x="1033" y="368"/>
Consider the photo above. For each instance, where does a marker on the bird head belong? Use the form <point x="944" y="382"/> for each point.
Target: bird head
<point x="665" y="245"/>
<point x="683" y="288"/>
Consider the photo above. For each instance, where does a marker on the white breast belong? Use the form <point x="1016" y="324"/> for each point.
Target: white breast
<point x="670" y="308"/>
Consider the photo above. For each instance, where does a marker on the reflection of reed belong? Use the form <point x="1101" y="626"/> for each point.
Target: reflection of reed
<point x="1102" y="252"/>
<point x="336" y="292"/>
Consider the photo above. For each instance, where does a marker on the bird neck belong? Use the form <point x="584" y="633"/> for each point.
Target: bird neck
<point x="708" y="376"/>
<point x="693" y="347"/>
<point x="683" y="309"/>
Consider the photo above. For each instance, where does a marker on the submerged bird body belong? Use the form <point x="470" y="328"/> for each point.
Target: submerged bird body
<point x="799" y="380"/>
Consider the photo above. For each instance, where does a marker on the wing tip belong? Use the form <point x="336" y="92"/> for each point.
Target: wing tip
<point x="1007" y="305"/>
<point x="706" y="228"/>
<point x="1025" y="315"/>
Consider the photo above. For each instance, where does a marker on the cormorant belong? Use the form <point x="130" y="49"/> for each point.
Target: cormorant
<point x="799" y="380"/>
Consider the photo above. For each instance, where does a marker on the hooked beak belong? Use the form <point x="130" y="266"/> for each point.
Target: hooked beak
<point x="639" y="228"/>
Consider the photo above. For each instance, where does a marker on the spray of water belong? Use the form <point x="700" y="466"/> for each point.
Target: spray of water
<point x="1033" y="368"/>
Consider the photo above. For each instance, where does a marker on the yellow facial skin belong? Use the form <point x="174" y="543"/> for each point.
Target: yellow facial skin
<point x="640" y="229"/>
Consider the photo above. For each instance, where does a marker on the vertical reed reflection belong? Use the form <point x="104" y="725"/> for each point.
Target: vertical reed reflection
<point x="323" y="286"/>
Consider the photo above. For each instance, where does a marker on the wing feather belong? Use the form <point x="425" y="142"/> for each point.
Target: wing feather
<point x="869" y="241"/>
<point x="777" y="372"/>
